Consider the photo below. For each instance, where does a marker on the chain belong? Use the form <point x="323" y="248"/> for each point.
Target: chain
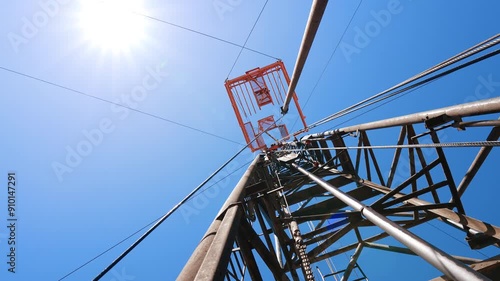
<point x="306" y="264"/>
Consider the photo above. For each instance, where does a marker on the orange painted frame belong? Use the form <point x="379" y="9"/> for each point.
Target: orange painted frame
<point x="259" y="72"/>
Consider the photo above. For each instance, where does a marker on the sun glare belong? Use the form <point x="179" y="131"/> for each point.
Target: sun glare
<point x="112" y="25"/>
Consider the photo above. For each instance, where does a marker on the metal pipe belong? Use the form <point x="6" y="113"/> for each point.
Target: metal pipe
<point x="459" y="226"/>
<point x="439" y="259"/>
<point x="278" y="250"/>
<point x="200" y="253"/>
<point x="369" y="239"/>
<point x="317" y="9"/>
<point x="352" y="262"/>
<point x="447" y="214"/>
<point x="484" y="123"/>
<point x="407" y="251"/>
<point x="462" y="110"/>
<point x="215" y="264"/>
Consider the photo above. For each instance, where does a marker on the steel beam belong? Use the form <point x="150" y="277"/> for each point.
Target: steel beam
<point x="263" y="226"/>
<point x="462" y="110"/>
<point x="329" y="239"/>
<point x="447" y="172"/>
<point x="369" y="239"/>
<point x="446" y="214"/>
<point x="423" y="162"/>
<point x="284" y="240"/>
<point x="478" y="162"/>
<point x="489" y="267"/>
<point x="352" y="262"/>
<point x="215" y="266"/>
<point x="334" y="204"/>
<point x="246" y="251"/>
<point x="397" y="155"/>
<point x="193" y="266"/>
<point x="439" y="259"/>
<point x="267" y="255"/>
<point x="314" y="190"/>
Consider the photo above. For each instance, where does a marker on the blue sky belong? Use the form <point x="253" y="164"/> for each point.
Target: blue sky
<point x="130" y="167"/>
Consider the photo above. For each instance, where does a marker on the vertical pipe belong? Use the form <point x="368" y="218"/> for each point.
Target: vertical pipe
<point x="317" y="10"/>
<point x="237" y="112"/>
<point x="278" y="250"/>
<point x="215" y="264"/>
<point x="439" y="259"/>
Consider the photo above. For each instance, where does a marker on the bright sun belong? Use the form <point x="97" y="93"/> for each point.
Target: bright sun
<point x="112" y="25"/>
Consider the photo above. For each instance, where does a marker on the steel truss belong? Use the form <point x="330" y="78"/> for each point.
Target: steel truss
<point x="293" y="205"/>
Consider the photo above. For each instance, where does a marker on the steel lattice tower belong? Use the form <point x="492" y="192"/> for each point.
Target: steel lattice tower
<point x="334" y="182"/>
<point x="299" y="199"/>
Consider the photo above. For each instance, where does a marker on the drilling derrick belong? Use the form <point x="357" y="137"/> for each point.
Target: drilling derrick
<point x="305" y="202"/>
<point x="311" y="203"/>
<point x="318" y="181"/>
